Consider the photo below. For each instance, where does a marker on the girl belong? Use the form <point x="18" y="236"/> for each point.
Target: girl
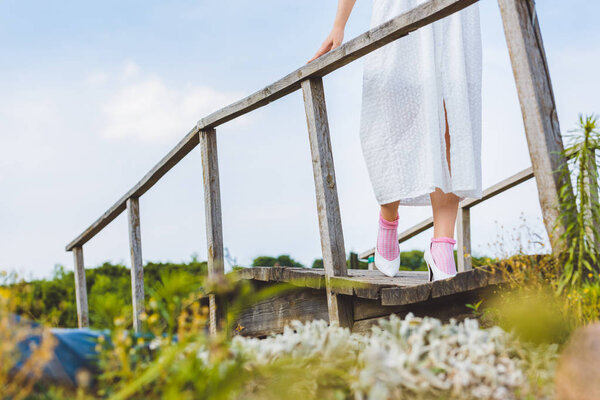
<point x="420" y="126"/>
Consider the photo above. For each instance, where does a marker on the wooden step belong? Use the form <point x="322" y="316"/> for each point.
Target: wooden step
<point x="407" y="288"/>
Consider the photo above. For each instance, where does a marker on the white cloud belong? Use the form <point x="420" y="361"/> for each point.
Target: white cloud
<point x="147" y="109"/>
<point x="131" y="68"/>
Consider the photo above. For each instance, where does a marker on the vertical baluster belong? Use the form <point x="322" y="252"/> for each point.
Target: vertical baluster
<point x="330" y="224"/>
<point x="214" y="230"/>
<point x="80" y="288"/>
<point x="137" y="267"/>
<point x="463" y="229"/>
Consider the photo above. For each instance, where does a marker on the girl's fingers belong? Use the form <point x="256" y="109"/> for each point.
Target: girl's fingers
<point x="325" y="47"/>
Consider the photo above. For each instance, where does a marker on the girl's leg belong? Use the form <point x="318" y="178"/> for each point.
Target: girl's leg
<point x="387" y="237"/>
<point x="444" y="205"/>
<point x="445" y="208"/>
<point x="390" y="211"/>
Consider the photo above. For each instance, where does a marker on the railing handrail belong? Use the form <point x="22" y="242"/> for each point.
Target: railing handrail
<point x="369" y="41"/>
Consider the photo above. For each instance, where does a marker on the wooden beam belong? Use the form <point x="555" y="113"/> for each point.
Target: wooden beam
<point x="137" y="266"/>
<point x="80" y="289"/>
<point x="375" y="38"/>
<point x="214" y="224"/>
<point x="328" y="208"/>
<point x="463" y="242"/>
<point x="538" y="107"/>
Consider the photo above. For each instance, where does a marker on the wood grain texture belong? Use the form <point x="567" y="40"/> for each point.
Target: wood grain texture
<point x="538" y="107"/>
<point x="272" y="315"/>
<point x="328" y="208"/>
<point x="214" y="225"/>
<point x="80" y="289"/>
<point x="405" y="295"/>
<point x="409" y="287"/>
<point x="463" y="240"/>
<point x="137" y="266"/>
<point x="375" y="38"/>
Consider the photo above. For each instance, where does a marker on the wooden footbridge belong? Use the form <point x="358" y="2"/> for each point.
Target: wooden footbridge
<point x="356" y="298"/>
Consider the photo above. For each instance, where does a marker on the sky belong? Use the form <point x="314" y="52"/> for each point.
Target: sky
<point x="94" y="94"/>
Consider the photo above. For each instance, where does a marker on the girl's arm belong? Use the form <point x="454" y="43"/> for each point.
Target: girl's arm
<point x="336" y="36"/>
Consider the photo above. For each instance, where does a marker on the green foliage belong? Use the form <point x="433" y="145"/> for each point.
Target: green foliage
<point x="552" y="295"/>
<point x="413" y="260"/>
<point x="283" y="260"/>
<point x="52" y="301"/>
<point x="581" y="214"/>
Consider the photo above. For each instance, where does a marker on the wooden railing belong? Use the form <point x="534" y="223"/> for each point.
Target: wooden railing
<point x="537" y="103"/>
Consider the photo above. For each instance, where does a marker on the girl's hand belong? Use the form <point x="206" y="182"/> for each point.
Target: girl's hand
<point x="333" y="40"/>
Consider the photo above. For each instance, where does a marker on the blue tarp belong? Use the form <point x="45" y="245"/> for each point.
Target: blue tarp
<point x="75" y="350"/>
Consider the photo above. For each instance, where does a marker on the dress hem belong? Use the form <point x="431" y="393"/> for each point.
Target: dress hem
<point x="422" y="196"/>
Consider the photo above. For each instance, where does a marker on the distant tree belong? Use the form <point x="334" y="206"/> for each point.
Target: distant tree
<point x="318" y="263"/>
<point x="283" y="260"/>
<point x="412" y="260"/>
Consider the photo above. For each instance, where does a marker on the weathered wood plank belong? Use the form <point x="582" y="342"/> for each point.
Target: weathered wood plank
<point x="375" y="38"/>
<point x="137" y="266"/>
<point x="463" y="242"/>
<point x="476" y="278"/>
<point x="328" y="208"/>
<point x="538" y="107"/>
<point x="80" y="289"/>
<point x="214" y="225"/>
<point x="272" y="315"/>
<point x="405" y="295"/>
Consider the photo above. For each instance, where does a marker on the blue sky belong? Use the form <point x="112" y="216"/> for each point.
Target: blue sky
<point x="92" y="95"/>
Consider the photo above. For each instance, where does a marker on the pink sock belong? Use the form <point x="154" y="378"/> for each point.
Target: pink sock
<point x="387" y="238"/>
<point x="442" y="251"/>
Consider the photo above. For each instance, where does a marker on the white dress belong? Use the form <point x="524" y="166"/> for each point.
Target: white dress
<point x="402" y="122"/>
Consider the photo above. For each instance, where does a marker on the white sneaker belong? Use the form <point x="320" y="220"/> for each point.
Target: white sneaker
<point x="387" y="267"/>
<point x="435" y="274"/>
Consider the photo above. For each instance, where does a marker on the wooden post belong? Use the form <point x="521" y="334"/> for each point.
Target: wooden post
<point x="330" y="224"/>
<point x="538" y="107"/>
<point x="80" y="289"/>
<point x="354" y="264"/>
<point x="463" y="242"/>
<point x="137" y="267"/>
<point x="214" y="226"/>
